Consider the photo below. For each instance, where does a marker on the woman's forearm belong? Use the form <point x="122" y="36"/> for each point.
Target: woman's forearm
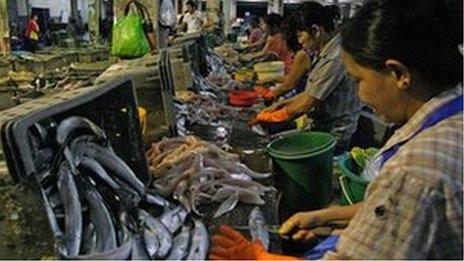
<point x="340" y="212"/>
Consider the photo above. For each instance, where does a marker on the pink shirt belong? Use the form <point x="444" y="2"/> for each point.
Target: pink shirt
<point x="256" y="35"/>
<point x="278" y="46"/>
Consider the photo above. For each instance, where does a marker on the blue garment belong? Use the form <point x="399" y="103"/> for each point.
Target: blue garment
<point x="326" y="244"/>
<point x="449" y="109"/>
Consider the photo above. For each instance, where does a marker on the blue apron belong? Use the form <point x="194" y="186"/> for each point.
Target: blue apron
<point x="447" y="110"/>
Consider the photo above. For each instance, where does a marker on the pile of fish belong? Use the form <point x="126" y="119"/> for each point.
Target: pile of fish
<point x="99" y="209"/>
<point x="195" y="172"/>
<point x="208" y="110"/>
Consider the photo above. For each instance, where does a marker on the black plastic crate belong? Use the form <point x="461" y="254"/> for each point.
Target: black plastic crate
<point x="112" y="106"/>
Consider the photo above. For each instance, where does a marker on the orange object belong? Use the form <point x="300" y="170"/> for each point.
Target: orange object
<point x="143" y="118"/>
<point x="242" y="98"/>
<point x="264" y="92"/>
<point x="231" y="245"/>
<point x="275" y="116"/>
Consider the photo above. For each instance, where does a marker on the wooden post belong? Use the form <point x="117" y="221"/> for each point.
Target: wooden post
<point x="95" y="7"/>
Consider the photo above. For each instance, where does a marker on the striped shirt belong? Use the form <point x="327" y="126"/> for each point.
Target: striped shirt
<point x="329" y="83"/>
<point x="413" y="208"/>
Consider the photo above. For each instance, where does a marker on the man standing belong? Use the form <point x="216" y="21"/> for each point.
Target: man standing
<point x="193" y="19"/>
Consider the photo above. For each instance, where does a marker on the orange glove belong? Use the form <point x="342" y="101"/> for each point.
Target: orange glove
<point x="275" y="116"/>
<point x="266" y="93"/>
<point x="230" y="245"/>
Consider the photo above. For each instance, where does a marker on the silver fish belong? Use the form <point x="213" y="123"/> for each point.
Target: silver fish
<point x="124" y="231"/>
<point x="163" y="234"/>
<point x="98" y="170"/>
<point x="75" y="124"/>
<point x="227" y="205"/>
<point x="121" y="253"/>
<point x="200" y="242"/>
<point x="89" y="240"/>
<point x="138" y="249"/>
<point x="151" y="241"/>
<point x="180" y="244"/>
<point x="153" y="199"/>
<point x="73" y="210"/>
<point x="100" y="216"/>
<point x="174" y="218"/>
<point x="110" y="161"/>
<point x="257" y="224"/>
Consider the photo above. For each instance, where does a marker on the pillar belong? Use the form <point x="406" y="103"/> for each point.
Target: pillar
<point x="229" y="11"/>
<point x="213" y="12"/>
<point x="95" y="8"/>
<point x="4" y="28"/>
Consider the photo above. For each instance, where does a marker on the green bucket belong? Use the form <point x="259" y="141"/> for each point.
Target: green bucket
<point x="353" y="186"/>
<point x="303" y="166"/>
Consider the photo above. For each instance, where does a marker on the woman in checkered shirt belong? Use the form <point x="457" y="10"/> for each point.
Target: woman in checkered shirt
<point x="405" y="56"/>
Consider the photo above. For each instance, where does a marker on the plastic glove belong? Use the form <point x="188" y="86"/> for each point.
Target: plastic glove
<point x="266" y="93"/>
<point x="230" y="245"/>
<point x="276" y="116"/>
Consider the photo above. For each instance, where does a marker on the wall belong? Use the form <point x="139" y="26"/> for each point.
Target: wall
<point x="57" y="6"/>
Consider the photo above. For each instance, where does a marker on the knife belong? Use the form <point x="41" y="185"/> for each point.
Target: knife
<point x="320" y="230"/>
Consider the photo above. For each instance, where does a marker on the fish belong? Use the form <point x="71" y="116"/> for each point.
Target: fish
<point x="73" y="209"/>
<point x="100" y="216"/>
<point x="76" y="125"/>
<point x="227" y="205"/>
<point x="121" y="253"/>
<point x="154" y="199"/>
<point x="89" y="240"/>
<point x="125" y="227"/>
<point x="152" y="243"/>
<point x="199" y="242"/>
<point x="163" y="234"/>
<point x="109" y="160"/>
<point x="180" y="244"/>
<point x="138" y="249"/>
<point x="174" y="218"/>
<point x="99" y="171"/>
<point x="257" y="223"/>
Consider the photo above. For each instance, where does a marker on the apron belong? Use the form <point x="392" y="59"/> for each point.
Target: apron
<point x="447" y="110"/>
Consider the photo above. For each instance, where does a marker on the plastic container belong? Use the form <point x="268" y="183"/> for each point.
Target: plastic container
<point x="353" y="186"/>
<point x="269" y="67"/>
<point x="243" y="76"/>
<point x="243" y="98"/>
<point x="303" y="166"/>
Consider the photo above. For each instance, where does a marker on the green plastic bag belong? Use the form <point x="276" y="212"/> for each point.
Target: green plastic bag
<point x="129" y="39"/>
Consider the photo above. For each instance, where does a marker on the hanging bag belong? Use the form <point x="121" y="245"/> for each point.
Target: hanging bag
<point x="129" y="40"/>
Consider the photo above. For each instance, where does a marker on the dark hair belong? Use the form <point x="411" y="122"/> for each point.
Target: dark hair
<point x="254" y="22"/>
<point x="422" y="34"/>
<point x="274" y="22"/>
<point x="313" y="13"/>
<point x="333" y="11"/>
<point x="289" y="32"/>
<point x="192" y="4"/>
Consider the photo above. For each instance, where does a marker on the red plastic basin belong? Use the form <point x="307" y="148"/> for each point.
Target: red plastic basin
<point x="242" y="98"/>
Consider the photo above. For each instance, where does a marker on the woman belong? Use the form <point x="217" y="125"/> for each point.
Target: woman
<point x="295" y="81"/>
<point x="275" y="43"/>
<point x="413" y="208"/>
<point x="32" y="33"/>
<point x="256" y="33"/>
<point x="330" y="96"/>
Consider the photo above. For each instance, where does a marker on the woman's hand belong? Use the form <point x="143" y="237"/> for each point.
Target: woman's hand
<point x="299" y="225"/>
